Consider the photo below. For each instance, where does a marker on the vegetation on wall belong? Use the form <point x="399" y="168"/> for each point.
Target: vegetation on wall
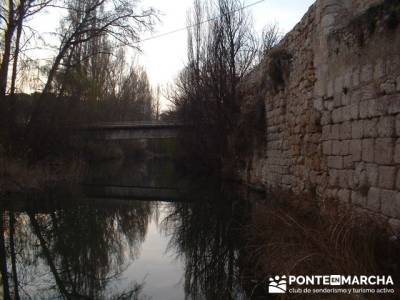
<point x="385" y="15"/>
<point x="278" y="68"/>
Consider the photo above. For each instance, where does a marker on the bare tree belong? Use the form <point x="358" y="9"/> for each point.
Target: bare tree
<point x="89" y="20"/>
<point x="9" y="18"/>
<point x="13" y="15"/>
<point x="84" y="30"/>
<point x="270" y="37"/>
<point x="220" y="53"/>
<point x="3" y="259"/>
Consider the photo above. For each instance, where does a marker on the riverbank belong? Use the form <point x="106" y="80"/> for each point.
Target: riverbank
<point x="17" y="175"/>
<point x="296" y="235"/>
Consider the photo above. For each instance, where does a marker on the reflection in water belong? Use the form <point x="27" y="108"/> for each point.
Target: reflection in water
<point x="96" y="249"/>
<point x="74" y="253"/>
<point x="205" y="233"/>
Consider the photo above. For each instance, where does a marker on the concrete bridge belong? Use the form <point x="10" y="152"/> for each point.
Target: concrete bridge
<point x="130" y="130"/>
<point x="165" y="194"/>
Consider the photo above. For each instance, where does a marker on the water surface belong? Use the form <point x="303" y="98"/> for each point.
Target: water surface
<point x="132" y="230"/>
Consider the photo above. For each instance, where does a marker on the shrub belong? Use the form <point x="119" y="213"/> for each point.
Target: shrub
<point x="278" y="68"/>
<point x="299" y="236"/>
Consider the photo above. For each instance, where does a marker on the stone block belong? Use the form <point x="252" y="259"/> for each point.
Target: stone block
<point x="287" y="180"/>
<point x="368" y="150"/>
<point x="338" y="88"/>
<point x="377" y="107"/>
<point x="392" y="103"/>
<point x="335" y="132"/>
<point x="379" y="69"/>
<point x="395" y="226"/>
<point x="384" y="148"/>
<point x="328" y="104"/>
<point x="364" y="109"/>
<point x="355" y="97"/>
<point x="348" y="162"/>
<point x="357" y="129"/>
<point x="326" y="132"/>
<point x="318" y="104"/>
<point x="355" y="150"/>
<point x="368" y="92"/>
<point x="398" y="180"/>
<point x="355" y="78"/>
<point x="319" y="89"/>
<point x="374" y="199"/>
<point x="367" y="73"/>
<point x="398" y="125"/>
<point x="326" y="118"/>
<point x="386" y="126"/>
<point x="327" y="147"/>
<point x="369" y="128"/>
<point x="337" y="115"/>
<point x="327" y="22"/>
<point x="335" y="162"/>
<point x="343" y="179"/>
<point x="347" y="78"/>
<point x="345" y="130"/>
<point x="336" y="147"/>
<point x="354" y="111"/>
<point x="388" y="87"/>
<point x="392" y="64"/>
<point x="360" y="177"/>
<point x="333" y="178"/>
<point x="344" y="195"/>
<point x="329" y="89"/>
<point x="346" y="98"/>
<point x="358" y="199"/>
<point x="387" y="177"/>
<point x="390" y="203"/>
<point x="344" y="147"/>
<point x="337" y="101"/>
<point x="397" y="152"/>
<point x="372" y="174"/>
<point x="346" y="114"/>
<point x="350" y="176"/>
<point x="398" y="84"/>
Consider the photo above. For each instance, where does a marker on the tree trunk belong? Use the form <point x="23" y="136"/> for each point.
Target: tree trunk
<point x="13" y="258"/>
<point x="3" y="260"/>
<point x="47" y="255"/>
<point x="5" y="63"/>
<point x="12" y="115"/>
<point x="21" y="13"/>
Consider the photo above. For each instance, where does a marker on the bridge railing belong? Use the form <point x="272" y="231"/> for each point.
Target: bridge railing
<point x="129" y="125"/>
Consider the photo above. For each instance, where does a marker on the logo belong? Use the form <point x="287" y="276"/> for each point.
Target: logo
<point x="277" y="285"/>
<point x="333" y="284"/>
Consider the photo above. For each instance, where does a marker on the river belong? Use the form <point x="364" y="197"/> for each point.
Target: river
<point x="131" y="230"/>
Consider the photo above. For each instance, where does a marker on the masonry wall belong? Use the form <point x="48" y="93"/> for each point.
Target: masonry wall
<point x="334" y="127"/>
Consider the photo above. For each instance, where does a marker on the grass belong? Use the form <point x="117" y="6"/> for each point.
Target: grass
<point x="299" y="236"/>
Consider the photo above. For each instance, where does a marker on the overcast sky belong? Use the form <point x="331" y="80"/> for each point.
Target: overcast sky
<point x="163" y="57"/>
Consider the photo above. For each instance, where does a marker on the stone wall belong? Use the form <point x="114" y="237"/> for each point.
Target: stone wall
<point x="334" y="126"/>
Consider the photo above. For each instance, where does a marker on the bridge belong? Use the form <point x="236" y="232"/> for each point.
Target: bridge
<point x="165" y="194"/>
<point x="130" y="130"/>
